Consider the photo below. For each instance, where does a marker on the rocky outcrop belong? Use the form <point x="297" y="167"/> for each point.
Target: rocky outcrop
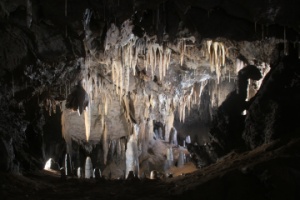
<point x="228" y="122"/>
<point x="275" y="112"/>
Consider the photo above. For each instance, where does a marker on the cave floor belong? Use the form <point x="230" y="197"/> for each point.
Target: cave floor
<point x="271" y="171"/>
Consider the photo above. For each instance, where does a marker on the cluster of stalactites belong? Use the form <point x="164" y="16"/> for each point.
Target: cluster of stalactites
<point x="157" y="57"/>
<point x="125" y="50"/>
<point x="182" y="47"/>
<point x="217" y="55"/>
<point x="190" y="98"/>
<point x="51" y="106"/>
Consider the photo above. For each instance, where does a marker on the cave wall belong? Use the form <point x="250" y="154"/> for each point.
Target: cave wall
<point x="274" y="112"/>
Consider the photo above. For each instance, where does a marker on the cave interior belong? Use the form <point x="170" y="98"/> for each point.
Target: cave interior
<point x="161" y="99"/>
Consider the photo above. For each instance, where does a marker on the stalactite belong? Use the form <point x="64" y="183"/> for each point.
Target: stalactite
<point x="147" y="107"/>
<point x="65" y="131"/>
<point x="87" y="121"/>
<point x="223" y="52"/>
<point x="104" y="143"/>
<point x="96" y="86"/>
<point x="155" y="57"/>
<point x="105" y="105"/>
<point x="182" y="48"/>
<point x="126" y="108"/>
<point x="118" y="149"/>
<point x="217" y="56"/>
<point x="168" y="58"/>
<point x="121" y="83"/>
<point x="216" y="60"/>
<point x="160" y="68"/>
<point x="126" y="79"/>
<point x="183" y="109"/>
<point x="239" y="65"/>
<point x="202" y="86"/>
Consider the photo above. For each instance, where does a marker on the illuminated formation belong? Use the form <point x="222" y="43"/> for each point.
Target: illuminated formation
<point x="217" y="55"/>
<point x="119" y="78"/>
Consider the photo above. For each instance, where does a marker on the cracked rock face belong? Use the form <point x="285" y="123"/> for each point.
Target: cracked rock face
<point x="140" y="64"/>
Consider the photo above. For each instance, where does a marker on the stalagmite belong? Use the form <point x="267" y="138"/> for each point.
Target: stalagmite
<point x="181" y="161"/>
<point x="105" y="144"/>
<point x="169" y="121"/>
<point x="68" y="166"/>
<point x="88" y="168"/>
<point x="143" y="137"/>
<point x="118" y="149"/>
<point x="80" y="172"/>
<point x="170" y="156"/>
<point x="173" y="137"/>
<point x="153" y="175"/>
<point x="188" y="139"/>
<point x="160" y="133"/>
<point x="132" y="151"/>
<point x="112" y="149"/>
